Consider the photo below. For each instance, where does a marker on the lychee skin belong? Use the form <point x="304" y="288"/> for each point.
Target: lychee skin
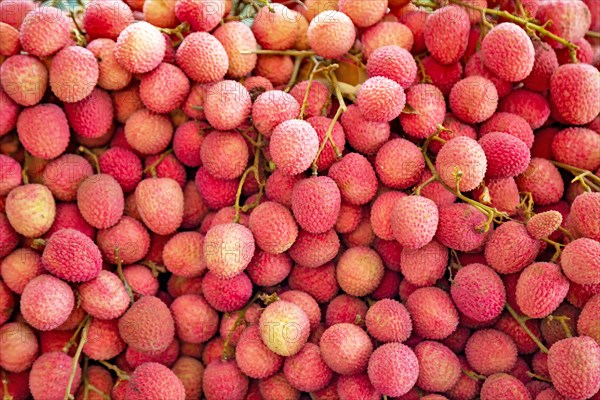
<point x="294" y="145"/>
<point x="338" y="30"/>
<point x="228" y="249"/>
<point x="543" y="180"/>
<point x="273" y="227"/>
<point x="154" y="380"/>
<point x="202" y="15"/>
<point x="19" y="347"/>
<point x="393" y="62"/>
<point x="50" y="375"/>
<point x="104" y="297"/>
<point x="573" y="364"/>
<point x="359" y="271"/>
<point x="9" y="113"/>
<point x="371" y="94"/>
<point x="430" y="110"/>
<point x="424" y="266"/>
<point x="573" y="88"/>
<point x="316" y="204"/>
<point x="11" y="45"/>
<point x="140" y="48"/>
<point x="277" y="387"/>
<point x="275" y="28"/>
<point x="540" y="289"/>
<point x="444" y="77"/>
<point x="531" y="106"/>
<point x="510" y="248"/>
<point x="30" y="209"/>
<point x="306" y="370"/>
<point x="474" y="99"/>
<point x="575" y="146"/>
<point x="147" y="326"/>
<point x="386" y="33"/>
<point x="314" y="250"/>
<point x="508" y="123"/>
<point x="580" y="261"/>
<point x="388" y="321"/>
<point x="235" y="36"/>
<point x="545" y="63"/>
<point x="46" y="302"/>
<point x="106" y="20"/>
<point x="24" y="80"/>
<point x="408" y="172"/>
<point x="160" y="204"/>
<point x="587" y="324"/>
<point x="123" y="165"/>
<point x="64" y="175"/>
<point x="478" y="292"/>
<point x="363" y="135"/>
<point x="43" y="130"/>
<point x="195" y="320"/>
<point x="227" y="294"/>
<point x="202" y="57"/>
<point x="100" y="200"/>
<point x="414" y="221"/>
<point x="508" y="41"/>
<point x="449" y="22"/>
<point x="164" y="89"/>
<point x="253" y="357"/>
<point x="72" y="256"/>
<point x="583" y="210"/>
<point x="363" y="14"/>
<point x="393" y="369"/>
<point x="439" y="367"/>
<point x="504" y="387"/>
<point x="381" y="209"/>
<point x="104" y="341"/>
<point x="284" y="328"/>
<point x="328" y="156"/>
<point x="462" y="162"/>
<point x="272" y="108"/>
<point x="482" y="341"/>
<point x="356" y="178"/>
<point x="570" y="21"/>
<point x="73" y="74"/>
<point x="227" y="105"/>
<point x="432" y="312"/>
<point x="346" y="348"/>
<point x="349" y="386"/>
<point x="112" y="76"/>
<point x="506" y="155"/>
<point x="45" y="31"/>
<point x="20" y="267"/>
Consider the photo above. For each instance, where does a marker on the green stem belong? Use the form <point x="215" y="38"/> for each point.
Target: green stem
<point x="254" y="169"/>
<point x="473" y="375"/>
<point x="82" y="341"/>
<point x="294" y="77"/>
<point x="122" y="375"/>
<point x="122" y="275"/>
<point x="71" y="341"/>
<point x="538" y="377"/>
<point x="557" y="248"/>
<point x="522" y="323"/>
<point x="92" y="155"/>
<point x="152" y="167"/>
<point x="241" y="319"/>
<point x="293" y="53"/>
<point x="7" y="396"/>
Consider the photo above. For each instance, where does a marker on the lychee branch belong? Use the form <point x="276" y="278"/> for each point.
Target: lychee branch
<point x="155" y="268"/>
<point x="592" y="34"/>
<point x="557" y="247"/>
<point x="71" y="341"/>
<point x="178" y="31"/>
<point x="82" y="341"/>
<point x="241" y="319"/>
<point x="293" y="53"/>
<point x="562" y="319"/>
<point x="473" y="375"/>
<point x="87" y="386"/>
<point x="588" y="180"/>
<point x="254" y="169"/>
<point x="122" y="276"/>
<point x="152" y="167"/>
<point x="522" y="323"/>
<point x="538" y="377"/>
<point x="294" y="76"/>
<point x="122" y="375"/>
<point x="7" y="396"/>
<point x="92" y="155"/>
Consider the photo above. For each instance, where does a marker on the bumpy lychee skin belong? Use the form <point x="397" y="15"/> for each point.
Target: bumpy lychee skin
<point x="371" y="94"/>
<point x="339" y="30"/>
<point x="224" y="154"/>
<point x="319" y="282"/>
<point x="544" y="65"/>
<point x="24" y="79"/>
<point x="414" y="221"/>
<point x="506" y="155"/>
<point x="123" y="165"/>
<point x="164" y="88"/>
<point x="183" y="256"/>
<point x="294" y="145"/>
<point x="393" y="62"/>
<point x="104" y="341"/>
<point x="187" y="142"/>
<point x="574" y="146"/>
<point x="73" y="74"/>
<point x="318" y="100"/>
<point x="306" y="371"/>
<point x="160" y="204"/>
<point x="363" y="14"/>
<point x="8" y="238"/>
<point x="531" y="106"/>
<point x="106" y="19"/>
<point x="227" y="105"/>
<point x="388" y="321"/>
<point x="228" y="249"/>
<point x="408" y="172"/>
<point x="424" y="266"/>
<point x="202" y="15"/>
<point x="359" y="271"/>
<point x="253" y="357"/>
<point x="50" y="375"/>
<point x="588" y="324"/>
<point x="277" y="387"/>
<point x="112" y="76"/>
<point x="328" y="156"/>
<point x="227" y="294"/>
<point x="450" y="21"/>
<point x="272" y="108"/>
<point x="483" y="341"/>
<point x="45" y="31"/>
<point x="202" y="57"/>
<point x="235" y="37"/>
<point x="430" y="111"/>
<point x="46" y="302"/>
<point x="346" y="348"/>
<point x="381" y="210"/>
<point x="573" y="364"/>
<point x="478" y="292"/>
<point x="19" y="347"/>
<point x="316" y="204"/>
<point x="273" y="227"/>
<point x="569" y="20"/>
<point x="510" y="248"/>
<point x="583" y="209"/>
<point x="30" y="209"/>
<point x="444" y="77"/>
<point x="275" y="28"/>
<point x="216" y="193"/>
<point x="43" y="130"/>
<point x="72" y="256"/>
<point x="508" y="41"/>
<point x="345" y="387"/>
<point x="345" y="309"/>
<point x="10" y="174"/>
<point x="100" y="200"/>
<point x="439" y="367"/>
<point x="277" y="69"/>
<point x="355" y="177"/>
<point x="195" y="320"/>
<point x="91" y="117"/>
<point x="154" y="380"/>
<point x="543" y="180"/>
<point x="432" y="312"/>
<point x="580" y="261"/>
<point x="11" y="44"/>
<point x="572" y="88"/>
<point x="363" y="135"/>
<point x="267" y="269"/>
<point x="20" y="267"/>
<point x="148" y="325"/>
<point x="393" y="369"/>
<point x="104" y="297"/>
<point x="313" y="250"/>
<point x="9" y="113"/>
<point x="474" y="99"/>
<point x="147" y="132"/>
<point x="140" y="48"/>
<point x="504" y="387"/>
<point x="386" y="33"/>
<point x="284" y="328"/>
<point x="462" y="162"/>
<point x="540" y="289"/>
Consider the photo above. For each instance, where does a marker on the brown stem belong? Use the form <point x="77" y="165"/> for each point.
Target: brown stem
<point x="294" y="76"/>
<point x="122" y="275"/>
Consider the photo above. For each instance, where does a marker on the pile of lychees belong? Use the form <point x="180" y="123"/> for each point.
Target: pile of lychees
<point x="318" y="199"/>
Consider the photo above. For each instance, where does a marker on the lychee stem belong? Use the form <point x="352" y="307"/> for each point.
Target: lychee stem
<point x="122" y="276"/>
<point x="562" y="319"/>
<point x="527" y="204"/>
<point x="241" y="319"/>
<point x="92" y="155"/>
<point x="294" y="76"/>
<point x="311" y="77"/>
<point x="566" y="232"/>
<point x="24" y="175"/>
<point x="592" y="34"/>
<point x="293" y="53"/>
<point x="152" y="167"/>
<point x="557" y="246"/>
<point x="38" y="243"/>
<point x="122" y="375"/>
<point x="473" y="375"/>
<point x="417" y="190"/>
<point x="178" y="31"/>
<point x="522" y="323"/>
<point x="87" y="386"/>
<point x="71" y="341"/>
<point x="538" y="377"/>
<point x="155" y="268"/>
<point x="82" y="341"/>
<point x="582" y="175"/>
<point x="7" y="396"/>
<point x="255" y="169"/>
<point x="357" y="59"/>
<point x="424" y="77"/>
